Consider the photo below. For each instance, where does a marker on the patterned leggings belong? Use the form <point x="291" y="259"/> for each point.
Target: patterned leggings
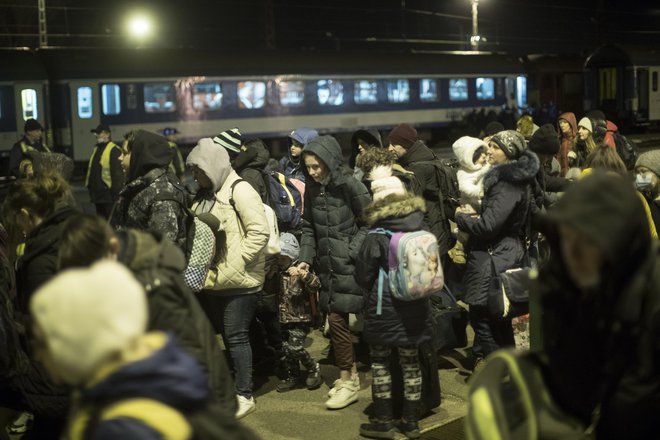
<point x="294" y="347"/>
<point x="382" y="378"/>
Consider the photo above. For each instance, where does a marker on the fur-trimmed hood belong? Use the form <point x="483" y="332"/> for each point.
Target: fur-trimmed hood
<point x="520" y="170"/>
<point x="393" y="206"/>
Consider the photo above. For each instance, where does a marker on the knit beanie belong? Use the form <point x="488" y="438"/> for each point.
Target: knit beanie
<point x="403" y="135"/>
<point x="650" y="160"/>
<point x="231" y="140"/>
<point x="493" y="127"/>
<point x="511" y="143"/>
<point x="289" y="245"/>
<point x="383" y="184"/>
<point x="87" y="315"/>
<point x="545" y="141"/>
<point x="586" y="123"/>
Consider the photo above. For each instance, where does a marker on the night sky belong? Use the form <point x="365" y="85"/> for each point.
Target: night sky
<point x="517" y="27"/>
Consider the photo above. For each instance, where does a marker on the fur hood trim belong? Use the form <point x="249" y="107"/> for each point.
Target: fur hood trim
<point x="395" y="205"/>
<point x="523" y="169"/>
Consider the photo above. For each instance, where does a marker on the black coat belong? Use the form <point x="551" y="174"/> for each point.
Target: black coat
<point x="249" y="164"/>
<point x="333" y="230"/>
<point x="497" y="235"/>
<point x="158" y="264"/>
<point x="416" y="160"/>
<point x="400" y="322"/>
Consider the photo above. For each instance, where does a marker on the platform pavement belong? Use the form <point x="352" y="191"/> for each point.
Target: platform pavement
<point x="301" y="414"/>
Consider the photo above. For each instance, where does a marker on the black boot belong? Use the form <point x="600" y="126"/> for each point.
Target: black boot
<point x="409" y="417"/>
<point x="292" y="377"/>
<point x="380" y="423"/>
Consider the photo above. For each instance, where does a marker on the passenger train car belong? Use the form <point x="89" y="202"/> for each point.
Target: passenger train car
<point x="264" y="94"/>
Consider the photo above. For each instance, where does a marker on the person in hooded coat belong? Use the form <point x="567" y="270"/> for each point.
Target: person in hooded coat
<point x="250" y="163"/>
<point x="152" y="198"/>
<point x="567" y="128"/>
<point x="497" y="235"/>
<point x="600" y="302"/>
<point x="230" y="289"/>
<point x="332" y="233"/>
<point x="362" y="140"/>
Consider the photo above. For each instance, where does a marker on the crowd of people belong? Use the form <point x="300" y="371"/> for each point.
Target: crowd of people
<point x="103" y="335"/>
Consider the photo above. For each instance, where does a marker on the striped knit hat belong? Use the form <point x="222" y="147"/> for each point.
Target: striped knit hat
<point x="231" y="140"/>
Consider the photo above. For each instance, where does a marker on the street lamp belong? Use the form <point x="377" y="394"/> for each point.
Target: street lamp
<point x="140" y="27"/>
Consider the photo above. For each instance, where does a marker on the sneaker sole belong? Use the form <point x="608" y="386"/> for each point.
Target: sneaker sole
<point x="249" y="411"/>
<point x="351" y="401"/>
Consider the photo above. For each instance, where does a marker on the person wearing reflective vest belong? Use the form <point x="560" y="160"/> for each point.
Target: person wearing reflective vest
<point x="177" y="166"/>
<point x="105" y="177"/>
<point x="19" y="161"/>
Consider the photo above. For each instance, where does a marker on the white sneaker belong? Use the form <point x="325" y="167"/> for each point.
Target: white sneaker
<point x="335" y="385"/>
<point x="345" y="394"/>
<point x="245" y="406"/>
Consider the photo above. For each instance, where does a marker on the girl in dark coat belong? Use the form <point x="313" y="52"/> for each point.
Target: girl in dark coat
<point x="332" y="235"/>
<point x="497" y="235"/>
<point x="401" y="325"/>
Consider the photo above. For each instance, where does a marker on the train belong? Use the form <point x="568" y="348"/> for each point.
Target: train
<point x="265" y="94"/>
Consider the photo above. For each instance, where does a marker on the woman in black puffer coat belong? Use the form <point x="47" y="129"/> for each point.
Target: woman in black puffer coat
<point x="497" y="235"/>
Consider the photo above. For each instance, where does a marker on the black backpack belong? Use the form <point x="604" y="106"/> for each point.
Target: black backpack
<point x="285" y="199"/>
<point x="627" y="150"/>
<point x="448" y="194"/>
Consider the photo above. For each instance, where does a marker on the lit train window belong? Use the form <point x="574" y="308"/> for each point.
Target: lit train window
<point x="111" y="103"/>
<point x="330" y="92"/>
<point x="428" y="90"/>
<point x="251" y="94"/>
<point x="485" y="88"/>
<point x="207" y="96"/>
<point x="458" y="89"/>
<point x="292" y="93"/>
<point x="84" y="102"/>
<point x="521" y="91"/>
<point x="398" y="91"/>
<point x="366" y="92"/>
<point x="29" y="104"/>
<point x="159" y="98"/>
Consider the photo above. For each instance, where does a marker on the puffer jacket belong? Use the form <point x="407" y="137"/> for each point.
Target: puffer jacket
<point x="417" y="160"/>
<point x="497" y="235"/>
<point x="249" y="164"/>
<point x="567" y="140"/>
<point x="333" y="230"/>
<point x="400" y="322"/>
<point x="151" y="200"/>
<point x="242" y="270"/>
<point x="158" y="264"/>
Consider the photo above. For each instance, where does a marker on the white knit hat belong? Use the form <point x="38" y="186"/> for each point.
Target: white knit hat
<point x="586" y="123"/>
<point x="383" y="183"/>
<point x="86" y="315"/>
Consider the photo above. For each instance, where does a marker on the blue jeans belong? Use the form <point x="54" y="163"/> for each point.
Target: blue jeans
<point x="235" y="313"/>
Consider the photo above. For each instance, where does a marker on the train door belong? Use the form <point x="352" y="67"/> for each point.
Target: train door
<point x="29" y="104"/>
<point x="654" y="94"/>
<point x="84" y="117"/>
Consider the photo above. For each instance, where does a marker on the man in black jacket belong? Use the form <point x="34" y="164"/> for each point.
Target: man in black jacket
<point x="31" y="141"/>
<point x="415" y="156"/>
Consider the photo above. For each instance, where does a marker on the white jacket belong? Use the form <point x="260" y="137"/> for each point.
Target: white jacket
<point x="470" y="176"/>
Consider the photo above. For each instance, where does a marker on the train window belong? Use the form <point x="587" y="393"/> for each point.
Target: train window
<point x="428" y="90"/>
<point x="398" y="91"/>
<point x="521" y="91"/>
<point x="292" y="93"/>
<point x="485" y="88"/>
<point x="159" y="98"/>
<point x="366" y="92"/>
<point x="84" y="102"/>
<point x="131" y="97"/>
<point x="207" y="96"/>
<point x="330" y="92"/>
<point x="29" y="104"/>
<point x="654" y="81"/>
<point x="458" y="89"/>
<point x="251" y="94"/>
<point x="110" y="99"/>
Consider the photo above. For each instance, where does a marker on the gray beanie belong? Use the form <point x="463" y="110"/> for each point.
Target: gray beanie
<point x="289" y="245"/>
<point x="511" y="143"/>
<point x="650" y="160"/>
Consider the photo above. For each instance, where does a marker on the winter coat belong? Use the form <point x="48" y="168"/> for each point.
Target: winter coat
<point x="546" y="188"/>
<point x="296" y="296"/>
<point x="470" y="176"/>
<point x="605" y="341"/>
<point x="401" y="322"/>
<point x="99" y="192"/>
<point x="152" y="200"/>
<point x="249" y="164"/>
<point x="158" y="264"/>
<point x="293" y="167"/>
<point x="332" y="229"/>
<point x="497" y="235"/>
<point x="242" y="270"/>
<point x="415" y="160"/>
<point x="567" y="141"/>
<point x="19" y="152"/>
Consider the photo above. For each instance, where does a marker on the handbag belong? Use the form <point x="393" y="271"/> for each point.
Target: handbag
<point x="449" y="321"/>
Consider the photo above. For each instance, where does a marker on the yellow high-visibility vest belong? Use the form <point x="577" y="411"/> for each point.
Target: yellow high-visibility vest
<point x="106" y="176"/>
<point x="25" y="147"/>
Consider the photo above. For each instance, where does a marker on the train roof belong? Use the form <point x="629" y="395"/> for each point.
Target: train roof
<point x="78" y="64"/>
<point x="612" y="55"/>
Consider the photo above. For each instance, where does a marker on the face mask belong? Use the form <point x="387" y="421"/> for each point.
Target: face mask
<point x="643" y="182"/>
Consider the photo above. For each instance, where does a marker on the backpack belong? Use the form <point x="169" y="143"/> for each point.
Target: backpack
<point x="627" y="150"/>
<point x="273" y="245"/>
<point x="448" y="195"/>
<point x="404" y="284"/>
<point x="284" y="198"/>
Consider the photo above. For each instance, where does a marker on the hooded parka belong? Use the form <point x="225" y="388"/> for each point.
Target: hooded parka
<point x="567" y="140"/>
